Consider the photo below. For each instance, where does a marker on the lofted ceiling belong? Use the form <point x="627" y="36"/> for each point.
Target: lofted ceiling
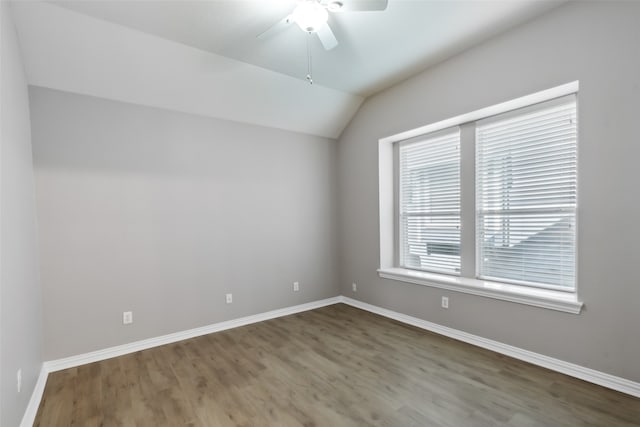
<point x="375" y="51"/>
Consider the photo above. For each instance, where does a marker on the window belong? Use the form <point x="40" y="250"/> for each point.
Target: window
<point x="526" y="195"/>
<point x="430" y="203"/>
<point x="485" y="203"/>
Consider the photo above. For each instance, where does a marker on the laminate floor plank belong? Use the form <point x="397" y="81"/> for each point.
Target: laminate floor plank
<point x="335" y="366"/>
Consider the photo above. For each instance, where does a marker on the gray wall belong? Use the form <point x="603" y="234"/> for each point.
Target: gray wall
<point x="20" y="293"/>
<point x="162" y="213"/>
<point x="595" y="43"/>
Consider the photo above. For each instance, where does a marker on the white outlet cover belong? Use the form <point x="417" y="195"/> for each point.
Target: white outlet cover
<point x="127" y="317"/>
<point x="19" y="379"/>
<point x="354" y="287"/>
<point x="229" y="298"/>
<point x="445" y="302"/>
<point x="296" y="286"/>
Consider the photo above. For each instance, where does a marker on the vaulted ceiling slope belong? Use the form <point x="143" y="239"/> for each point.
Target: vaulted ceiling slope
<point x="203" y="57"/>
<point x="69" y="51"/>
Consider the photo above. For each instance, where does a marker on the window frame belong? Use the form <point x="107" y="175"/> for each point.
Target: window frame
<point x="555" y="102"/>
<point x="400" y="244"/>
<point x="468" y="281"/>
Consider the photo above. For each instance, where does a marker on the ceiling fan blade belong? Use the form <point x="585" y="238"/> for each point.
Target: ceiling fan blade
<point x="363" y="5"/>
<point x="326" y="37"/>
<point x="276" y="28"/>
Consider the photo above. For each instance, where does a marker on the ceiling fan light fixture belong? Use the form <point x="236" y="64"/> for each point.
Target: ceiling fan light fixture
<point x="310" y="16"/>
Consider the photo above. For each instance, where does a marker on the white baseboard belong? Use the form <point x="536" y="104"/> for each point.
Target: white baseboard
<point x="32" y="408"/>
<point x="591" y="375"/>
<point x="108" y="353"/>
<point x="587" y="374"/>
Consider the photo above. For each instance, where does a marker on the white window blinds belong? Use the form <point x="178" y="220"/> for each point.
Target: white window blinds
<point x="526" y="195"/>
<point x="430" y="203"/>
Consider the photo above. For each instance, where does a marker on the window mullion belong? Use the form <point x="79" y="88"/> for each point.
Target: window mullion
<point x="467" y="200"/>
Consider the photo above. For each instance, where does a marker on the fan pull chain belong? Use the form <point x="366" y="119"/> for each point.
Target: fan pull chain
<point x="309" y="75"/>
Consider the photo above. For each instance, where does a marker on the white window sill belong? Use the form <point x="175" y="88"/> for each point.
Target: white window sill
<point x="545" y="298"/>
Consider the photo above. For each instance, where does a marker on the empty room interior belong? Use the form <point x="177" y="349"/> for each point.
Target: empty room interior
<point x="319" y="213"/>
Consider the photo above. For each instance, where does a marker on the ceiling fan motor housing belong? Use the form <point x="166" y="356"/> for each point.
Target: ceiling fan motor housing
<point x="310" y="16"/>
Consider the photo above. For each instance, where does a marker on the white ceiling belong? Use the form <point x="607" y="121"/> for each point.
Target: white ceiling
<point x="376" y="50"/>
<point x="203" y="57"/>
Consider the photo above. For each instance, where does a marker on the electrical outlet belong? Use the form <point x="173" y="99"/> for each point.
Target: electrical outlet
<point x="229" y="298"/>
<point x="296" y="286"/>
<point x="127" y="317"/>
<point x="19" y="378"/>
<point x="354" y="287"/>
<point x="445" y="302"/>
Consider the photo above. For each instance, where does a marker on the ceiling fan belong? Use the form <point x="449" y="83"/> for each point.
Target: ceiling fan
<point x="312" y="16"/>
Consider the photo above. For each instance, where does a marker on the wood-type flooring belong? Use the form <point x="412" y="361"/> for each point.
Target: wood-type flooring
<point x="334" y="366"/>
